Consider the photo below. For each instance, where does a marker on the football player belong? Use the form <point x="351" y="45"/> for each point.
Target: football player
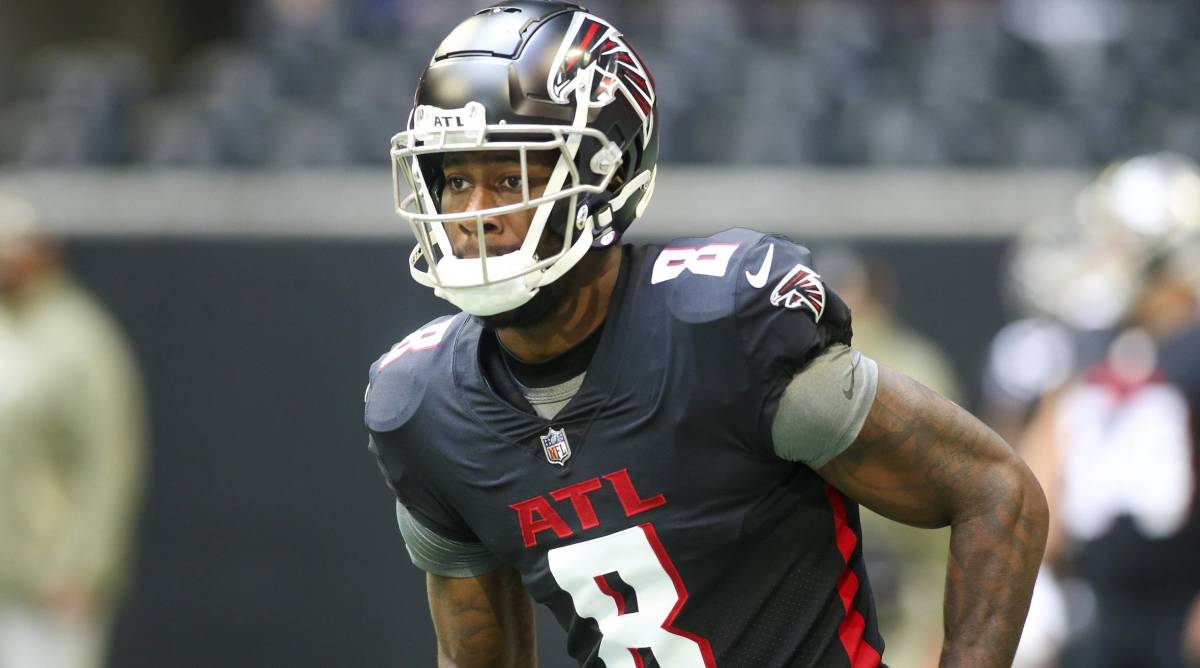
<point x="665" y="445"/>
<point x="1116" y="448"/>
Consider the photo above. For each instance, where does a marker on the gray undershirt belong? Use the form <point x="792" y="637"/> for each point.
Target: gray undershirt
<point x="820" y="414"/>
<point x="548" y="401"/>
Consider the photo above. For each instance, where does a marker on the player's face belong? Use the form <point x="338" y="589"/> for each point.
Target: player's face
<point x="480" y="180"/>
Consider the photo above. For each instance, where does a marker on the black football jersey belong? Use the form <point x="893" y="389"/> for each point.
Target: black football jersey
<point x="651" y="514"/>
<point x="1129" y="466"/>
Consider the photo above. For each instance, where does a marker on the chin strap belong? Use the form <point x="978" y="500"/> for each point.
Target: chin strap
<point x="607" y="204"/>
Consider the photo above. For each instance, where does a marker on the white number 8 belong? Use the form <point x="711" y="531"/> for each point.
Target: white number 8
<point x="637" y="556"/>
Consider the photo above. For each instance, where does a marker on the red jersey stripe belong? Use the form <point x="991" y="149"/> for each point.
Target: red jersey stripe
<point x="850" y="631"/>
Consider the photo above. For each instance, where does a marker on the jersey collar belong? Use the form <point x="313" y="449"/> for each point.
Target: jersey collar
<point x="518" y="424"/>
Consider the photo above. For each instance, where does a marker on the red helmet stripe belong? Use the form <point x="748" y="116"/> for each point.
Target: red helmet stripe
<point x="583" y="46"/>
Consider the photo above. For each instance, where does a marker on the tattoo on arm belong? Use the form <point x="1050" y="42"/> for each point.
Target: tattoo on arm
<point x="922" y="460"/>
<point x="482" y="622"/>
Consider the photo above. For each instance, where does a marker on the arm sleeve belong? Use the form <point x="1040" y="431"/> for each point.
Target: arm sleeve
<point x="438" y="555"/>
<point x="824" y="407"/>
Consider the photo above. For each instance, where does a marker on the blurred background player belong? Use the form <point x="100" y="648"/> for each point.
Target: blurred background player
<point x="72" y="447"/>
<point x="1115" y="447"/>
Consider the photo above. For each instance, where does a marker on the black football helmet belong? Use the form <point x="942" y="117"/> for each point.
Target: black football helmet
<point x="521" y="76"/>
<point x="1137" y="219"/>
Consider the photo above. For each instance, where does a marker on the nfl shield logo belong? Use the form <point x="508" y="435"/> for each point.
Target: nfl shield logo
<point x="557" y="449"/>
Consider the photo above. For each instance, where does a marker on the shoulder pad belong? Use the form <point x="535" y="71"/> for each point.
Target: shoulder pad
<point x="784" y="312"/>
<point x="701" y="274"/>
<point x="398" y="379"/>
<point x="778" y="274"/>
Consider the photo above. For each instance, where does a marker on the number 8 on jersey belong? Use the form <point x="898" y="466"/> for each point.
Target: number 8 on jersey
<point x="638" y="559"/>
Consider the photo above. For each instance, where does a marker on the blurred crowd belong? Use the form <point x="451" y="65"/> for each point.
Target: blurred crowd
<point x="320" y="83"/>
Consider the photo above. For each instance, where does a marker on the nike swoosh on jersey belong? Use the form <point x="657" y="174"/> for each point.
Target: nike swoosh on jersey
<point x="849" y="392"/>
<point x="759" y="278"/>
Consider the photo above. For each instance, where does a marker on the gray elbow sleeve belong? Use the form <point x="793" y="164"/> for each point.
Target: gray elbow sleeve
<point x="824" y="406"/>
<point x="436" y="554"/>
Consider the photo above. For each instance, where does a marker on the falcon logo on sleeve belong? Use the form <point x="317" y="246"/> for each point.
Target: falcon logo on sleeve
<point x="802" y="287"/>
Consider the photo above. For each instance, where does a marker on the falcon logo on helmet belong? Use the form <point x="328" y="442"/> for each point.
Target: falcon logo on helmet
<point x="802" y="287"/>
<point x="594" y="47"/>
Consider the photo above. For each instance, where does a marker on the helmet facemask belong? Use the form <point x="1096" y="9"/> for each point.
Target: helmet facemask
<point x="490" y="284"/>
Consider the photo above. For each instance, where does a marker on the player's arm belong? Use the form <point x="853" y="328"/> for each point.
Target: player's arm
<point x="482" y="622"/>
<point x="482" y="615"/>
<point x="1039" y="447"/>
<point x="922" y="460"/>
